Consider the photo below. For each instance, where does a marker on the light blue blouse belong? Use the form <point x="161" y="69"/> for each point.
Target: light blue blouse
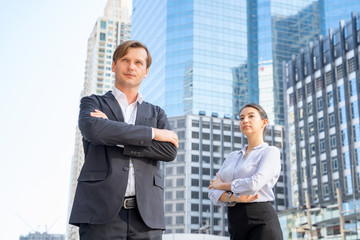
<point x="258" y="173"/>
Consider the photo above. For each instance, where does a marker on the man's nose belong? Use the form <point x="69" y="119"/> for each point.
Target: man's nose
<point x="131" y="65"/>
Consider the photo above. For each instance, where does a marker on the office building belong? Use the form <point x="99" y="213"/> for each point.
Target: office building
<point x="42" y="236"/>
<point x="204" y="142"/>
<point x="323" y="128"/>
<point x="109" y="31"/>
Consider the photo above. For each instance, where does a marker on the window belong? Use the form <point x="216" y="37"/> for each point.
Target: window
<point x="341" y="93"/>
<point x="195" y="195"/>
<point x="330" y="99"/>
<point x="351" y="65"/>
<point x="344" y="137"/>
<point x="181" y="123"/>
<point x="102" y="37"/>
<point x="349" y="187"/>
<point x="195" y="146"/>
<point x="355" y="109"/>
<point x="318" y="84"/>
<point x="310" y="108"/>
<point x="179" y="207"/>
<point x="195" y="182"/>
<point x="103" y="25"/>
<point x="312" y="149"/>
<point x="339" y="71"/>
<point x="299" y="94"/>
<point x="168" y="182"/>
<point x="313" y="170"/>
<point x="308" y="89"/>
<point x="206" y="125"/>
<point x="227" y="127"/>
<point x="324" y="167"/>
<point x="346" y="157"/>
<point x="357" y="156"/>
<point x="180" y="170"/>
<point x="321" y="124"/>
<point x="334" y="164"/>
<point x="194" y="170"/>
<point x="356" y="129"/>
<point x="168" y="195"/>
<point x="168" y="220"/>
<point x="195" y="135"/>
<point x="194" y="220"/>
<point x="180" y="182"/>
<point x="179" y="219"/>
<point x="322" y="145"/>
<point x="326" y="189"/>
<point x="353" y="90"/>
<point x="216" y="126"/>
<point x="195" y="123"/>
<point x="332" y="119"/>
<point x="169" y="170"/>
<point x="291" y="99"/>
<point x="311" y="129"/>
<point x="319" y="104"/>
<point x="336" y="185"/>
<point x="195" y="207"/>
<point x="333" y="141"/>
<point x="301" y="131"/>
<point x="195" y="158"/>
<point x="328" y="78"/>
<point x="168" y="207"/>
<point x="343" y="114"/>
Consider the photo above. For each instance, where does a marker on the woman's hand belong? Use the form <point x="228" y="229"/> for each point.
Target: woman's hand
<point x="98" y="114"/>
<point x="219" y="184"/>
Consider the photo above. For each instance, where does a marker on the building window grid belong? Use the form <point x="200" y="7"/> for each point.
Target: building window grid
<point x="339" y="72"/>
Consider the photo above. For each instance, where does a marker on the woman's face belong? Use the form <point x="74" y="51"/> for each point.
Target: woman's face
<point x="251" y="122"/>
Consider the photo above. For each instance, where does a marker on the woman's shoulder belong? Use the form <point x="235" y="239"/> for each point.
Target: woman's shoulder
<point x="271" y="150"/>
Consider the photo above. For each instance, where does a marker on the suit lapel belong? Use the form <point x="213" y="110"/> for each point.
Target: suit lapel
<point x="140" y="114"/>
<point x="114" y="106"/>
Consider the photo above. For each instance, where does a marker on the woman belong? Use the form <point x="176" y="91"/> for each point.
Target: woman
<point x="249" y="175"/>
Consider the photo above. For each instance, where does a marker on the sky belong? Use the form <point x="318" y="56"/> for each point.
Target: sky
<point x="43" y="48"/>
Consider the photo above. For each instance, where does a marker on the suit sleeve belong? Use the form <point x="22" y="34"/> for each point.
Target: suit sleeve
<point x="164" y="151"/>
<point x="101" y="131"/>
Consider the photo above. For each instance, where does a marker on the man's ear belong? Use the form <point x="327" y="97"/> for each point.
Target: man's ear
<point x="113" y="66"/>
<point x="146" y="72"/>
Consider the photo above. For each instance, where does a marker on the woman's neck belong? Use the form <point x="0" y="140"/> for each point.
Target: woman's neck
<point x="253" y="142"/>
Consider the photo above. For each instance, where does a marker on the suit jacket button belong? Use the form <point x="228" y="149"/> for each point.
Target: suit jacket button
<point x="126" y="169"/>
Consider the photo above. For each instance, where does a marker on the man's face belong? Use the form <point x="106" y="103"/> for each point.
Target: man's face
<point x="131" y="69"/>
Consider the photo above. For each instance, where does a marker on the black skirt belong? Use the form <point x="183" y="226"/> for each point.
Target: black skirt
<point x="254" y="221"/>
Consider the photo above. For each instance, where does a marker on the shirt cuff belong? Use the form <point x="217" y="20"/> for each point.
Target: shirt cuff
<point x="152" y="133"/>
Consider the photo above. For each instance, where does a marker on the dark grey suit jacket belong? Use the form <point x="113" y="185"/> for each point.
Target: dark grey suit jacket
<point x="103" y="179"/>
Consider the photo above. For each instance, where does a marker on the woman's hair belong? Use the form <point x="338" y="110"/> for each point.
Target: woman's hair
<point x="261" y="111"/>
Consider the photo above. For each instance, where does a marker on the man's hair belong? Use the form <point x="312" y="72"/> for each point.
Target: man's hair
<point x="123" y="49"/>
<point x="261" y="111"/>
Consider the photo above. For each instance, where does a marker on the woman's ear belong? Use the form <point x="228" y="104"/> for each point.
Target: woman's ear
<point x="265" y="122"/>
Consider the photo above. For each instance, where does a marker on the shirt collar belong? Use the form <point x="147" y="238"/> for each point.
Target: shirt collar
<point x="119" y="95"/>
<point x="261" y="145"/>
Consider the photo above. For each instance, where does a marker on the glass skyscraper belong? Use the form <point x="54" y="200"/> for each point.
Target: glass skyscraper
<point x="197" y="44"/>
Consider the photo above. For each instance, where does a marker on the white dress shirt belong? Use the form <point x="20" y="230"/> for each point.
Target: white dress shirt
<point x="129" y="112"/>
<point x="257" y="173"/>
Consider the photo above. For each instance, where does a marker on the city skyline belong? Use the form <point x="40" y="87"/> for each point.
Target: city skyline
<point x="52" y="49"/>
<point x="42" y="64"/>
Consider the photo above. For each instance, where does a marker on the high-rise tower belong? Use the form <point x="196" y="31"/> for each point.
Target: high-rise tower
<point x="109" y="31"/>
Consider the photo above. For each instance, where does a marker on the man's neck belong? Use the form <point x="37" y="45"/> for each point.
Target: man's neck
<point x="131" y="94"/>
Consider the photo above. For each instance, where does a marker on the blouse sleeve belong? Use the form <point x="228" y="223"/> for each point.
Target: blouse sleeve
<point x="215" y="194"/>
<point x="269" y="168"/>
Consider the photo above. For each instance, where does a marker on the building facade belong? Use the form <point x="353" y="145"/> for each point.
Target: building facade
<point x="42" y="236"/>
<point x="323" y="88"/>
<point x="196" y="44"/>
<point x="109" y="31"/>
<point x="204" y="142"/>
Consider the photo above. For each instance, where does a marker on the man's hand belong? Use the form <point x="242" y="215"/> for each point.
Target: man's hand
<point x="98" y="114"/>
<point x="164" y="135"/>
<point x="244" y="198"/>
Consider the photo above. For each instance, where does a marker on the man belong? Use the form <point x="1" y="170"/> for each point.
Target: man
<point x="120" y="188"/>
